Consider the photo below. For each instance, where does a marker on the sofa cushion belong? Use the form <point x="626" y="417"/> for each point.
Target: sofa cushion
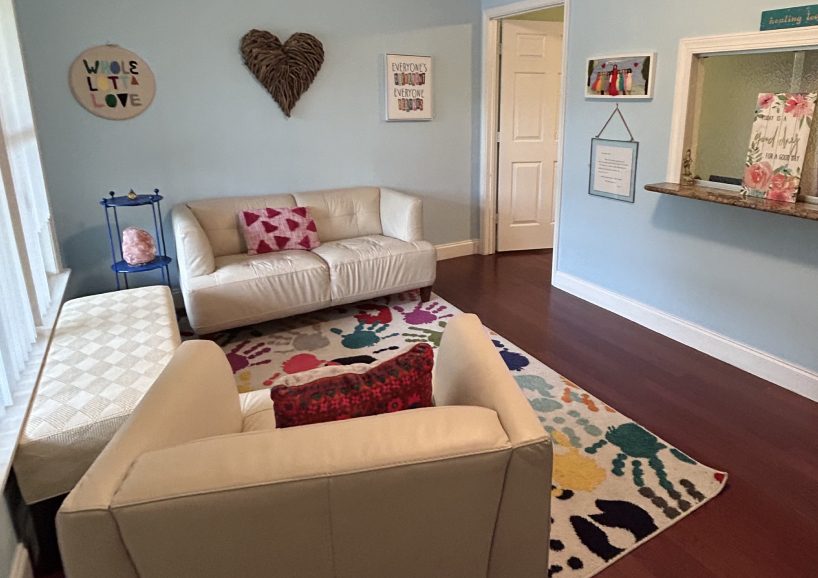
<point x="218" y="218"/>
<point x="399" y="383"/>
<point x="257" y="407"/>
<point x="277" y="229"/>
<point x="343" y="213"/>
<point x="364" y="267"/>
<point x="247" y="289"/>
<point x="257" y="411"/>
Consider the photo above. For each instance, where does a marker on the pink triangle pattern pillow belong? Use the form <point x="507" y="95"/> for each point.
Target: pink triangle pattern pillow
<point x="268" y="230"/>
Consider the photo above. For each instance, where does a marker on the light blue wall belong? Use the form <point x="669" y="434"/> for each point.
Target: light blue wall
<point x="749" y="275"/>
<point x="213" y="130"/>
<point x="494" y="3"/>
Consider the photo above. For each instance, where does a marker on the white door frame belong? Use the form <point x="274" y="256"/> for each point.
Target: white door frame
<point x="489" y="116"/>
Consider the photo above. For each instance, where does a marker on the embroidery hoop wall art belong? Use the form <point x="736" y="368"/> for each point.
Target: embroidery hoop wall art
<point x="408" y="87"/>
<point x="112" y="82"/>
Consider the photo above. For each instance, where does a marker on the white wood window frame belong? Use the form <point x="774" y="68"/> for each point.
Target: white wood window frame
<point x="688" y="90"/>
<point x="30" y="239"/>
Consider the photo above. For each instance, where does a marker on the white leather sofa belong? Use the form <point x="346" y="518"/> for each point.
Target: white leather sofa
<point x="371" y="245"/>
<point x="199" y="483"/>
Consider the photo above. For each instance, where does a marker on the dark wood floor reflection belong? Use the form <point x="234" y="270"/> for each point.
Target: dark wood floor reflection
<point x="765" y="522"/>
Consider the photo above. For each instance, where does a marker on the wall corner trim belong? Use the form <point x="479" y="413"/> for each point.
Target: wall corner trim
<point x="21" y="566"/>
<point x="458" y="249"/>
<point x="761" y="364"/>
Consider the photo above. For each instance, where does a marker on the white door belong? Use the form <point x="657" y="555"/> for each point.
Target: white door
<point x="530" y="79"/>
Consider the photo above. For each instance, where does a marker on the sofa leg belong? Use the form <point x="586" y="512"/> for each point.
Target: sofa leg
<point x="425" y="293"/>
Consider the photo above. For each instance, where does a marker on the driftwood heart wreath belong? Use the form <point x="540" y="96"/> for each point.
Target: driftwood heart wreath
<point x="285" y="70"/>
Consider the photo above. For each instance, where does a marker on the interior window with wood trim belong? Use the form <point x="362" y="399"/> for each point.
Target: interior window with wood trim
<point x="727" y="87"/>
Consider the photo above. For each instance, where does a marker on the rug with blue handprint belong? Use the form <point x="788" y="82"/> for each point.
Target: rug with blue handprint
<point x="615" y="484"/>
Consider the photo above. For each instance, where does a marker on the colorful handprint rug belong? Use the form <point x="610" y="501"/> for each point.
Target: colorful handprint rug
<point x="615" y="484"/>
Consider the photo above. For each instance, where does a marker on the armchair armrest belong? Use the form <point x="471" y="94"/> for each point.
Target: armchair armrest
<point x="194" y="397"/>
<point x="469" y="371"/>
<point x="281" y="456"/>
<point x="193" y="248"/>
<point x="401" y="216"/>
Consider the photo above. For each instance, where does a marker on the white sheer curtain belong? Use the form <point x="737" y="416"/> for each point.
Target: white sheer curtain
<point x="27" y="254"/>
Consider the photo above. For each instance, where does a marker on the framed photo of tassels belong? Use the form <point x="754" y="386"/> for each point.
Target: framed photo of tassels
<point x="625" y="77"/>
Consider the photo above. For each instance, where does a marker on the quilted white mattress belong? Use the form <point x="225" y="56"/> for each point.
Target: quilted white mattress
<point x="106" y="352"/>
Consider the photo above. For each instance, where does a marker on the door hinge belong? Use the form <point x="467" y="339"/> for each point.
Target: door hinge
<point x="500" y="49"/>
<point x="498" y="136"/>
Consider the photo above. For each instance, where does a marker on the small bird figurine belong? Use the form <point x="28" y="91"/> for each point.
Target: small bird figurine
<point x="131" y="194"/>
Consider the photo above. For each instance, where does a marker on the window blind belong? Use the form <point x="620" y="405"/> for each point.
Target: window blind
<point x="27" y="252"/>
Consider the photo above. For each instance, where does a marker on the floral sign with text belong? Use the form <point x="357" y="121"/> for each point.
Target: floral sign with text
<point x="777" y="144"/>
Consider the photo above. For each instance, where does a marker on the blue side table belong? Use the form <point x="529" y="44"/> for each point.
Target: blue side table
<point x="119" y="266"/>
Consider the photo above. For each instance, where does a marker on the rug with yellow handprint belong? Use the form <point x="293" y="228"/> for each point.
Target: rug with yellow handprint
<point x="615" y="484"/>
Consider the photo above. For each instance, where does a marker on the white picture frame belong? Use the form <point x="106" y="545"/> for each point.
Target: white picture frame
<point x="409" y="87"/>
<point x="641" y="66"/>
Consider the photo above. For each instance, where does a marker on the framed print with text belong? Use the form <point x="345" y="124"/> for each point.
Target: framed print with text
<point x="408" y="87"/>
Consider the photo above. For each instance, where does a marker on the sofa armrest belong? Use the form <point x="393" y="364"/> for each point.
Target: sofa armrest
<point x="193" y="250"/>
<point x="194" y="397"/>
<point x="469" y="371"/>
<point x="401" y="216"/>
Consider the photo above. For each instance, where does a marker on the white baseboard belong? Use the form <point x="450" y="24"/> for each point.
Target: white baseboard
<point x="21" y="566"/>
<point x="458" y="249"/>
<point x="764" y="365"/>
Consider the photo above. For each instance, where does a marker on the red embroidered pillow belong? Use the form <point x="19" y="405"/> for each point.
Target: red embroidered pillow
<point x="403" y="382"/>
<point x="268" y="230"/>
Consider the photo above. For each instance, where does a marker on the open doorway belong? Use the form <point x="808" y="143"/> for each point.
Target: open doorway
<point x="523" y="114"/>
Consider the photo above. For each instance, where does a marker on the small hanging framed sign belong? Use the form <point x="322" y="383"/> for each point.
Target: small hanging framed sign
<point x="613" y="164"/>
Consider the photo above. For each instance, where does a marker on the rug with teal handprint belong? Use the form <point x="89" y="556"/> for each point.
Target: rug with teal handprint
<point x="615" y="484"/>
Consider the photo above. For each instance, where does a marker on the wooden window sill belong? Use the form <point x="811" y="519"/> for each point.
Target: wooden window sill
<point x="724" y="197"/>
<point x="11" y="424"/>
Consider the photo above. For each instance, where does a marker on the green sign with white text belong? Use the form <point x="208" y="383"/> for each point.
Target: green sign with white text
<point x="790" y="17"/>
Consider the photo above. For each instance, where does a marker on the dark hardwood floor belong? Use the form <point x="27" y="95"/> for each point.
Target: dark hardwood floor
<point x="765" y="522"/>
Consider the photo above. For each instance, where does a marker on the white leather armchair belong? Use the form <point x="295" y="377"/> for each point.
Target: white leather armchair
<point x="196" y="485"/>
<point x="371" y="245"/>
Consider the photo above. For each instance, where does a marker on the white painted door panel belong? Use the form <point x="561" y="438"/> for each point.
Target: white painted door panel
<point x="531" y="67"/>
